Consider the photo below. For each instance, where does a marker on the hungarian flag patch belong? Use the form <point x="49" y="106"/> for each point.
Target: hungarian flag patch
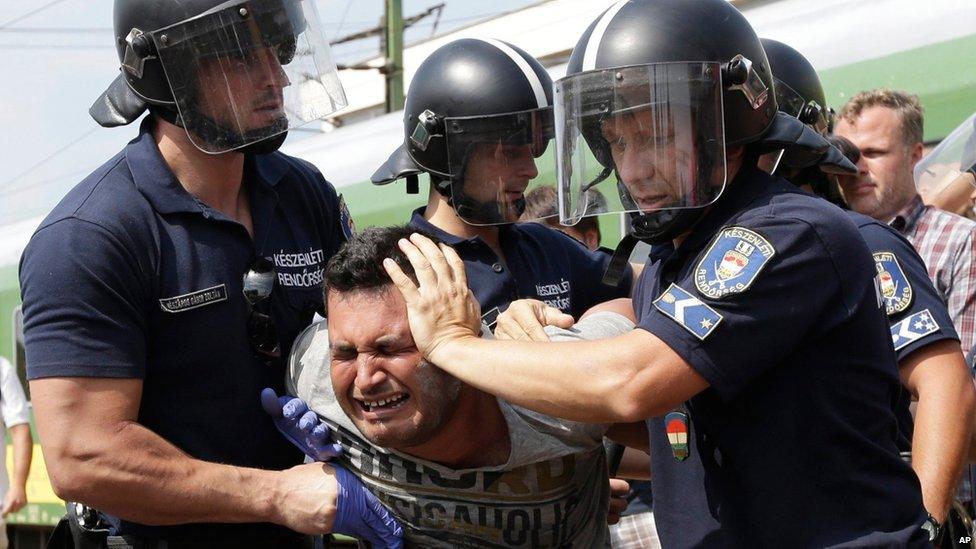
<point x="677" y="426"/>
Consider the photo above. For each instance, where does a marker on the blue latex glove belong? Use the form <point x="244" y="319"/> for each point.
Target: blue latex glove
<point x="360" y="515"/>
<point x="300" y="425"/>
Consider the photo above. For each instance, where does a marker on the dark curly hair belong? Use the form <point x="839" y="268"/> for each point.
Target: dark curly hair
<point x="358" y="265"/>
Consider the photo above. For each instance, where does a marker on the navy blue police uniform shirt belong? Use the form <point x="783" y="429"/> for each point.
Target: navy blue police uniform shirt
<point x="916" y="312"/>
<point x="132" y="277"/>
<point x="772" y="299"/>
<point x="540" y="263"/>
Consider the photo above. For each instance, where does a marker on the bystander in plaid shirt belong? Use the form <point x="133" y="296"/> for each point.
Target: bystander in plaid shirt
<point x="947" y="244"/>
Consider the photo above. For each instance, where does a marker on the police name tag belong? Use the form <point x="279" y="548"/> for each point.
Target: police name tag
<point x="688" y="311"/>
<point x="913" y="328"/>
<point x="896" y="291"/>
<point x="193" y="300"/>
<point x="732" y="262"/>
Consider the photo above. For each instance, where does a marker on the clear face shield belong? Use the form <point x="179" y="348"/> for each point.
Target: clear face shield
<point x="658" y="128"/>
<point x="946" y="177"/>
<point x="249" y="70"/>
<point x="493" y="160"/>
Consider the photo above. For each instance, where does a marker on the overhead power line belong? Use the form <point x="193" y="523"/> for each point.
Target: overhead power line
<point x="342" y="20"/>
<point x="410" y="22"/>
<point x="47" y="158"/>
<point x="20" y="18"/>
<point x="55" y="30"/>
<point x="55" y="47"/>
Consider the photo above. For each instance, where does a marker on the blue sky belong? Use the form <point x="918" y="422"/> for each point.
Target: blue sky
<point x="58" y="60"/>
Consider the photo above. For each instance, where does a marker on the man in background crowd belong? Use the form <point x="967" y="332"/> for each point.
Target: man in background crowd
<point x="886" y="125"/>
<point x="541" y="202"/>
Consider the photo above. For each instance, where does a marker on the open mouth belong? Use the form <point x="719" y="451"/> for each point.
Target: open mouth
<point x="654" y="201"/>
<point x="389" y="403"/>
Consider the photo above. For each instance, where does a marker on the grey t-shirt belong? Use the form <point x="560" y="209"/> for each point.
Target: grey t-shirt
<point x="552" y="491"/>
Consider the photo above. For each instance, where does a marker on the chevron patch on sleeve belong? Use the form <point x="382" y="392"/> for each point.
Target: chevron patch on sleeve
<point x="913" y="328"/>
<point x="688" y="311"/>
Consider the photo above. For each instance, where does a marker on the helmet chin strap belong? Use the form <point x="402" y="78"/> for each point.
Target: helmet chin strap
<point x="468" y="208"/>
<point x="657" y="227"/>
<point x="212" y="132"/>
<point x="489" y="213"/>
<point x="653" y="228"/>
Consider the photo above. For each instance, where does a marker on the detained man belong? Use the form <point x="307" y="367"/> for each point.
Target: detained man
<point x="457" y="466"/>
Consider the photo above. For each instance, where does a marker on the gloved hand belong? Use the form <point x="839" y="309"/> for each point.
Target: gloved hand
<point x="300" y="425"/>
<point x="360" y="515"/>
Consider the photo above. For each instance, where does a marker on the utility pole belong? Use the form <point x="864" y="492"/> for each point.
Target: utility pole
<point x="393" y="48"/>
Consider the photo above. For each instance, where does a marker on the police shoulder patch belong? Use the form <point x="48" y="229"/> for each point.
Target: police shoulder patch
<point x="913" y="328"/>
<point x="688" y="311"/>
<point x="345" y="219"/>
<point x="732" y="263"/>
<point x="896" y="290"/>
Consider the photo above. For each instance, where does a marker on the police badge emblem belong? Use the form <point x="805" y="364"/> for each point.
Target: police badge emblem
<point x="896" y="291"/>
<point x="732" y="262"/>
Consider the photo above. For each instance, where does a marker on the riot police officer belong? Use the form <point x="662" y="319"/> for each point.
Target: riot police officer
<point x="182" y="269"/>
<point x="767" y="426"/>
<point x="932" y="368"/>
<point x="477" y="117"/>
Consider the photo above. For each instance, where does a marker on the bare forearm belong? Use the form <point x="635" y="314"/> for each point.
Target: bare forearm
<point x="136" y="475"/>
<point x="23" y="448"/>
<point x="569" y="380"/>
<point x="940" y="442"/>
<point x="612" y="380"/>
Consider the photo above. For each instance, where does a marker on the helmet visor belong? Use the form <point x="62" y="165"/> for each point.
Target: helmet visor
<point x="946" y="176"/>
<point x="810" y="112"/>
<point x="787" y="99"/>
<point x="249" y="70"/>
<point x="494" y="161"/>
<point x="658" y="128"/>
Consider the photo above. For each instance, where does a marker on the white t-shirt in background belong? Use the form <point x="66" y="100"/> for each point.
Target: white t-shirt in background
<point x="13" y="411"/>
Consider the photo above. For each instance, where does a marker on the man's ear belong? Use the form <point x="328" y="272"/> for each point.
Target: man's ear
<point x="916" y="152"/>
<point x="591" y="238"/>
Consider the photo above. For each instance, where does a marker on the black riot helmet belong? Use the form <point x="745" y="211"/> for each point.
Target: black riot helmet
<point x="799" y="91"/>
<point x="478" y="114"/>
<point x="800" y="94"/>
<point x="662" y="86"/>
<point x="235" y="74"/>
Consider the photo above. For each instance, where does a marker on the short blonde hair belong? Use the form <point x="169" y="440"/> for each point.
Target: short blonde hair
<point x="906" y="105"/>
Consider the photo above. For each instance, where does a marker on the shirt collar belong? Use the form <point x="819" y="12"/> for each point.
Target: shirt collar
<point x="156" y="181"/>
<point x="749" y="183"/>
<point x="417" y="220"/>
<point x="266" y="168"/>
<point x="906" y="219"/>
